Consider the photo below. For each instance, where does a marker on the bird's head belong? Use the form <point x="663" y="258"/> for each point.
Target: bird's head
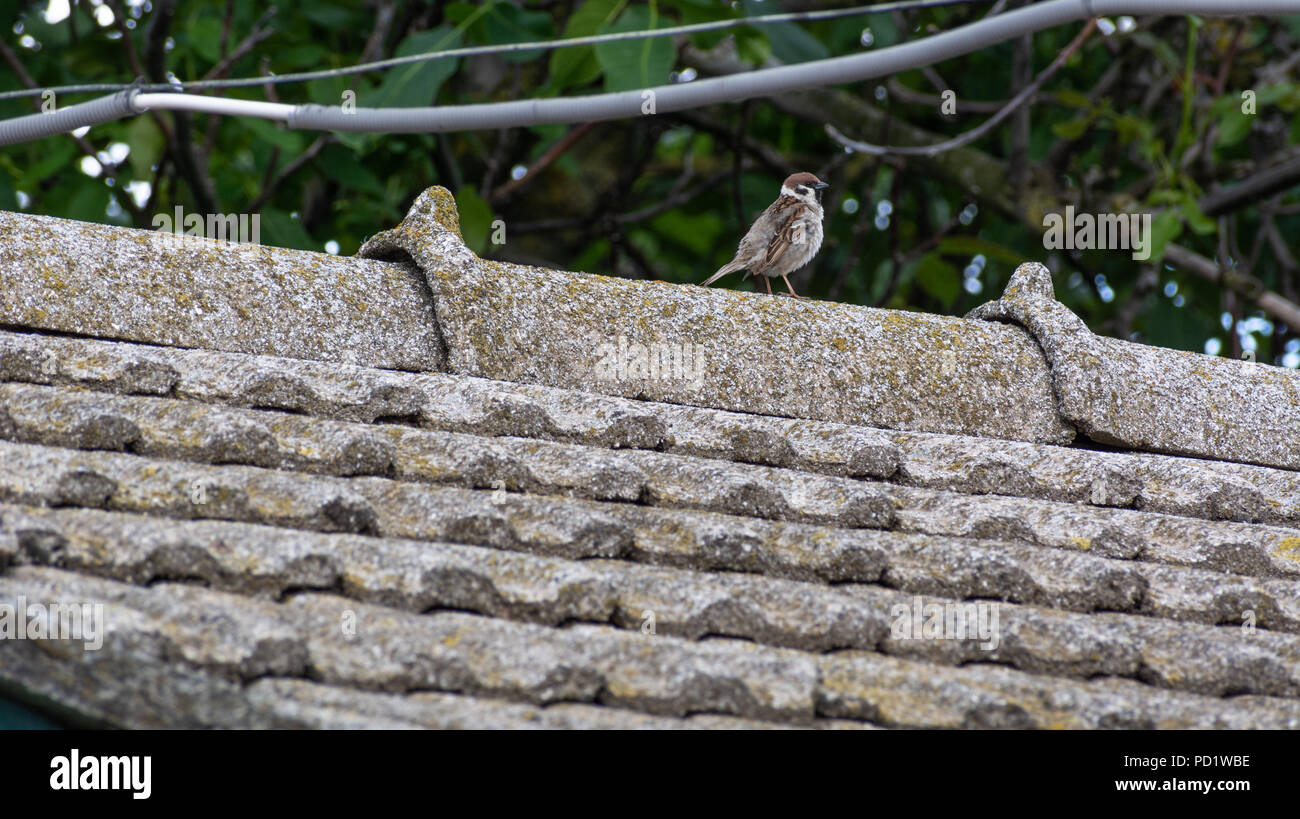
<point x="804" y="187"/>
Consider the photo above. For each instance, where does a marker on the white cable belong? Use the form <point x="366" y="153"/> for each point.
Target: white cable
<point x="212" y="105"/>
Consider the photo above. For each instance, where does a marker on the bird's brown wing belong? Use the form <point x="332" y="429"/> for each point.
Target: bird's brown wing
<point x="790" y="210"/>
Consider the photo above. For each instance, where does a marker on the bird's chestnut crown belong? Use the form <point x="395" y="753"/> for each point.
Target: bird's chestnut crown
<point x="802" y="185"/>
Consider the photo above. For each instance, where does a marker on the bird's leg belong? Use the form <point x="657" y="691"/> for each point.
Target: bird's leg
<point x="792" y="293"/>
<point x="768" y="281"/>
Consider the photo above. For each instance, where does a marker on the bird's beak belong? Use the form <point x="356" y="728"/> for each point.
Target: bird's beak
<point x="821" y="185"/>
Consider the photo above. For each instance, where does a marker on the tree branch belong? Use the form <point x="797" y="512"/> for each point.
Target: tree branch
<point x="983" y="128"/>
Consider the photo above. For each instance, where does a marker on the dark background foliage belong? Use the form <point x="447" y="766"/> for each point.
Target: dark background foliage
<point x="1145" y="115"/>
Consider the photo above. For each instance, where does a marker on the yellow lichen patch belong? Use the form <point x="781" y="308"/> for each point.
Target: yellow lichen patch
<point x="1288" y="549"/>
<point x="1082" y="543"/>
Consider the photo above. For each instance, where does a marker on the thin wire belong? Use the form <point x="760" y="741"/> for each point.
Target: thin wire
<point x="502" y="48"/>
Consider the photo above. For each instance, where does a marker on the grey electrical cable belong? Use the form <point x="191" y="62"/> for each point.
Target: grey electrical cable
<point x="95" y="112"/>
<point x="664" y="99"/>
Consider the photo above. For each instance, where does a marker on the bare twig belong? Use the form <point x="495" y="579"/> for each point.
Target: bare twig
<point x="544" y="161"/>
<point x="902" y="93"/>
<point x="640" y="215"/>
<point x="288" y="170"/>
<point x="769" y="157"/>
<point x="1252" y="189"/>
<point x="119" y="22"/>
<point x="984" y="127"/>
<point x="1249" y="286"/>
<point x="257" y="35"/>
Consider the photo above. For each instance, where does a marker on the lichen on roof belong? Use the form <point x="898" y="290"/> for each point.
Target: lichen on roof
<point x="463" y="523"/>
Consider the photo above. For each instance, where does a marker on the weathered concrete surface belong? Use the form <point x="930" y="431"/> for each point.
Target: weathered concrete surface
<point x="187" y="431"/>
<point x="1078" y="578"/>
<point x="418" y="577"/>
<point x="1187" y="487"/>
<point x="755" y="354"/>
<point x="1151" y="398"/>
<point x="142" y="285"/>
<point x="288" y="542"/>
<point x="200" y="648"/>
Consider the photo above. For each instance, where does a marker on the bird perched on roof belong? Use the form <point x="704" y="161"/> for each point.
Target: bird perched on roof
<point x="785" y="237"/>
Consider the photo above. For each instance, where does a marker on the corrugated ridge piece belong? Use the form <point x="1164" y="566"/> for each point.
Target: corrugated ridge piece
<point x="75" y="277"/>
<point x="1152" y="398"/>
<point x="718" y="348"/>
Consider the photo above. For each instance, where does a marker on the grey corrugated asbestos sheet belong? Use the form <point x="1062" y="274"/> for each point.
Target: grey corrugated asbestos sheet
<point x="407" y="490"/>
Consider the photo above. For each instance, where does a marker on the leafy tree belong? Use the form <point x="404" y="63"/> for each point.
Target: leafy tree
<point x="1147" y="115"/>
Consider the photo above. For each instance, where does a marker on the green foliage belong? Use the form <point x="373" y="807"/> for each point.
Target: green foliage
<point x="577" y="65"/>
<point x="1155" y="140"/>
<point x="475" y="219"/>
<point x="416" y="83"/>
<point x="629" y="66"/>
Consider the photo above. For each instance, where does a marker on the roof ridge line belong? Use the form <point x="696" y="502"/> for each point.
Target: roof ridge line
<point x="722" y="349"/>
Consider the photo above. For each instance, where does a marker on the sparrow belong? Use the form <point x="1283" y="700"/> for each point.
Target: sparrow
<point x="785" y="237"/>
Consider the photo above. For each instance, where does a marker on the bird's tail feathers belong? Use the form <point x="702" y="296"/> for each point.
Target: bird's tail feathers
<point x="729" y="267"/>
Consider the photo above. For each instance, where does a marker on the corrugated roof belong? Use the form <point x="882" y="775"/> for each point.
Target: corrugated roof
<point x="323" y="492"/>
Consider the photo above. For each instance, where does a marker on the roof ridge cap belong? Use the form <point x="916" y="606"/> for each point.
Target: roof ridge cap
<point x="1153" y="398"/>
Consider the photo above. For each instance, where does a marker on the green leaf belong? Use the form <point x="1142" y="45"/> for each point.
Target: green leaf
<point x="703" y="11"/>
<point x="790" y="43"/>
<point x="510" y="24"/>
<point x="1132" y="129"/>
<point x="1196" y="219"/>
<point x="698" y="233"/>
<point x="637" y="64"/>
<point x="326" y="16"/>
<point x="458" y="12"/>
<point x="1279" y="93"/>
<point x="939" y="278"/>
<point x="282" y="230"/>
<point x="146" y="143"/>
<point x="968" y="246"/>
<point x="204" y="35"/>
<point x="342" y="166"/>
<point x="59" y="154"/>
<point x="475" y="219"/>
<point x="416" y="84"/>
<point x="289" y="142"/>
<point x="8" y="198"/>
<point x="1233" y="127"/>
<point x="578" y="66"/>
<point x="752" y="46"/>
<point x="307" y="56"/>
<point x="329" y="90"/>
<point x="1073" y="129"/>
<point x="1165" y="227"/>
<point x="90" y="202"/>
<point x="1162" y="49"/>
<point x="1073" y="99"/>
